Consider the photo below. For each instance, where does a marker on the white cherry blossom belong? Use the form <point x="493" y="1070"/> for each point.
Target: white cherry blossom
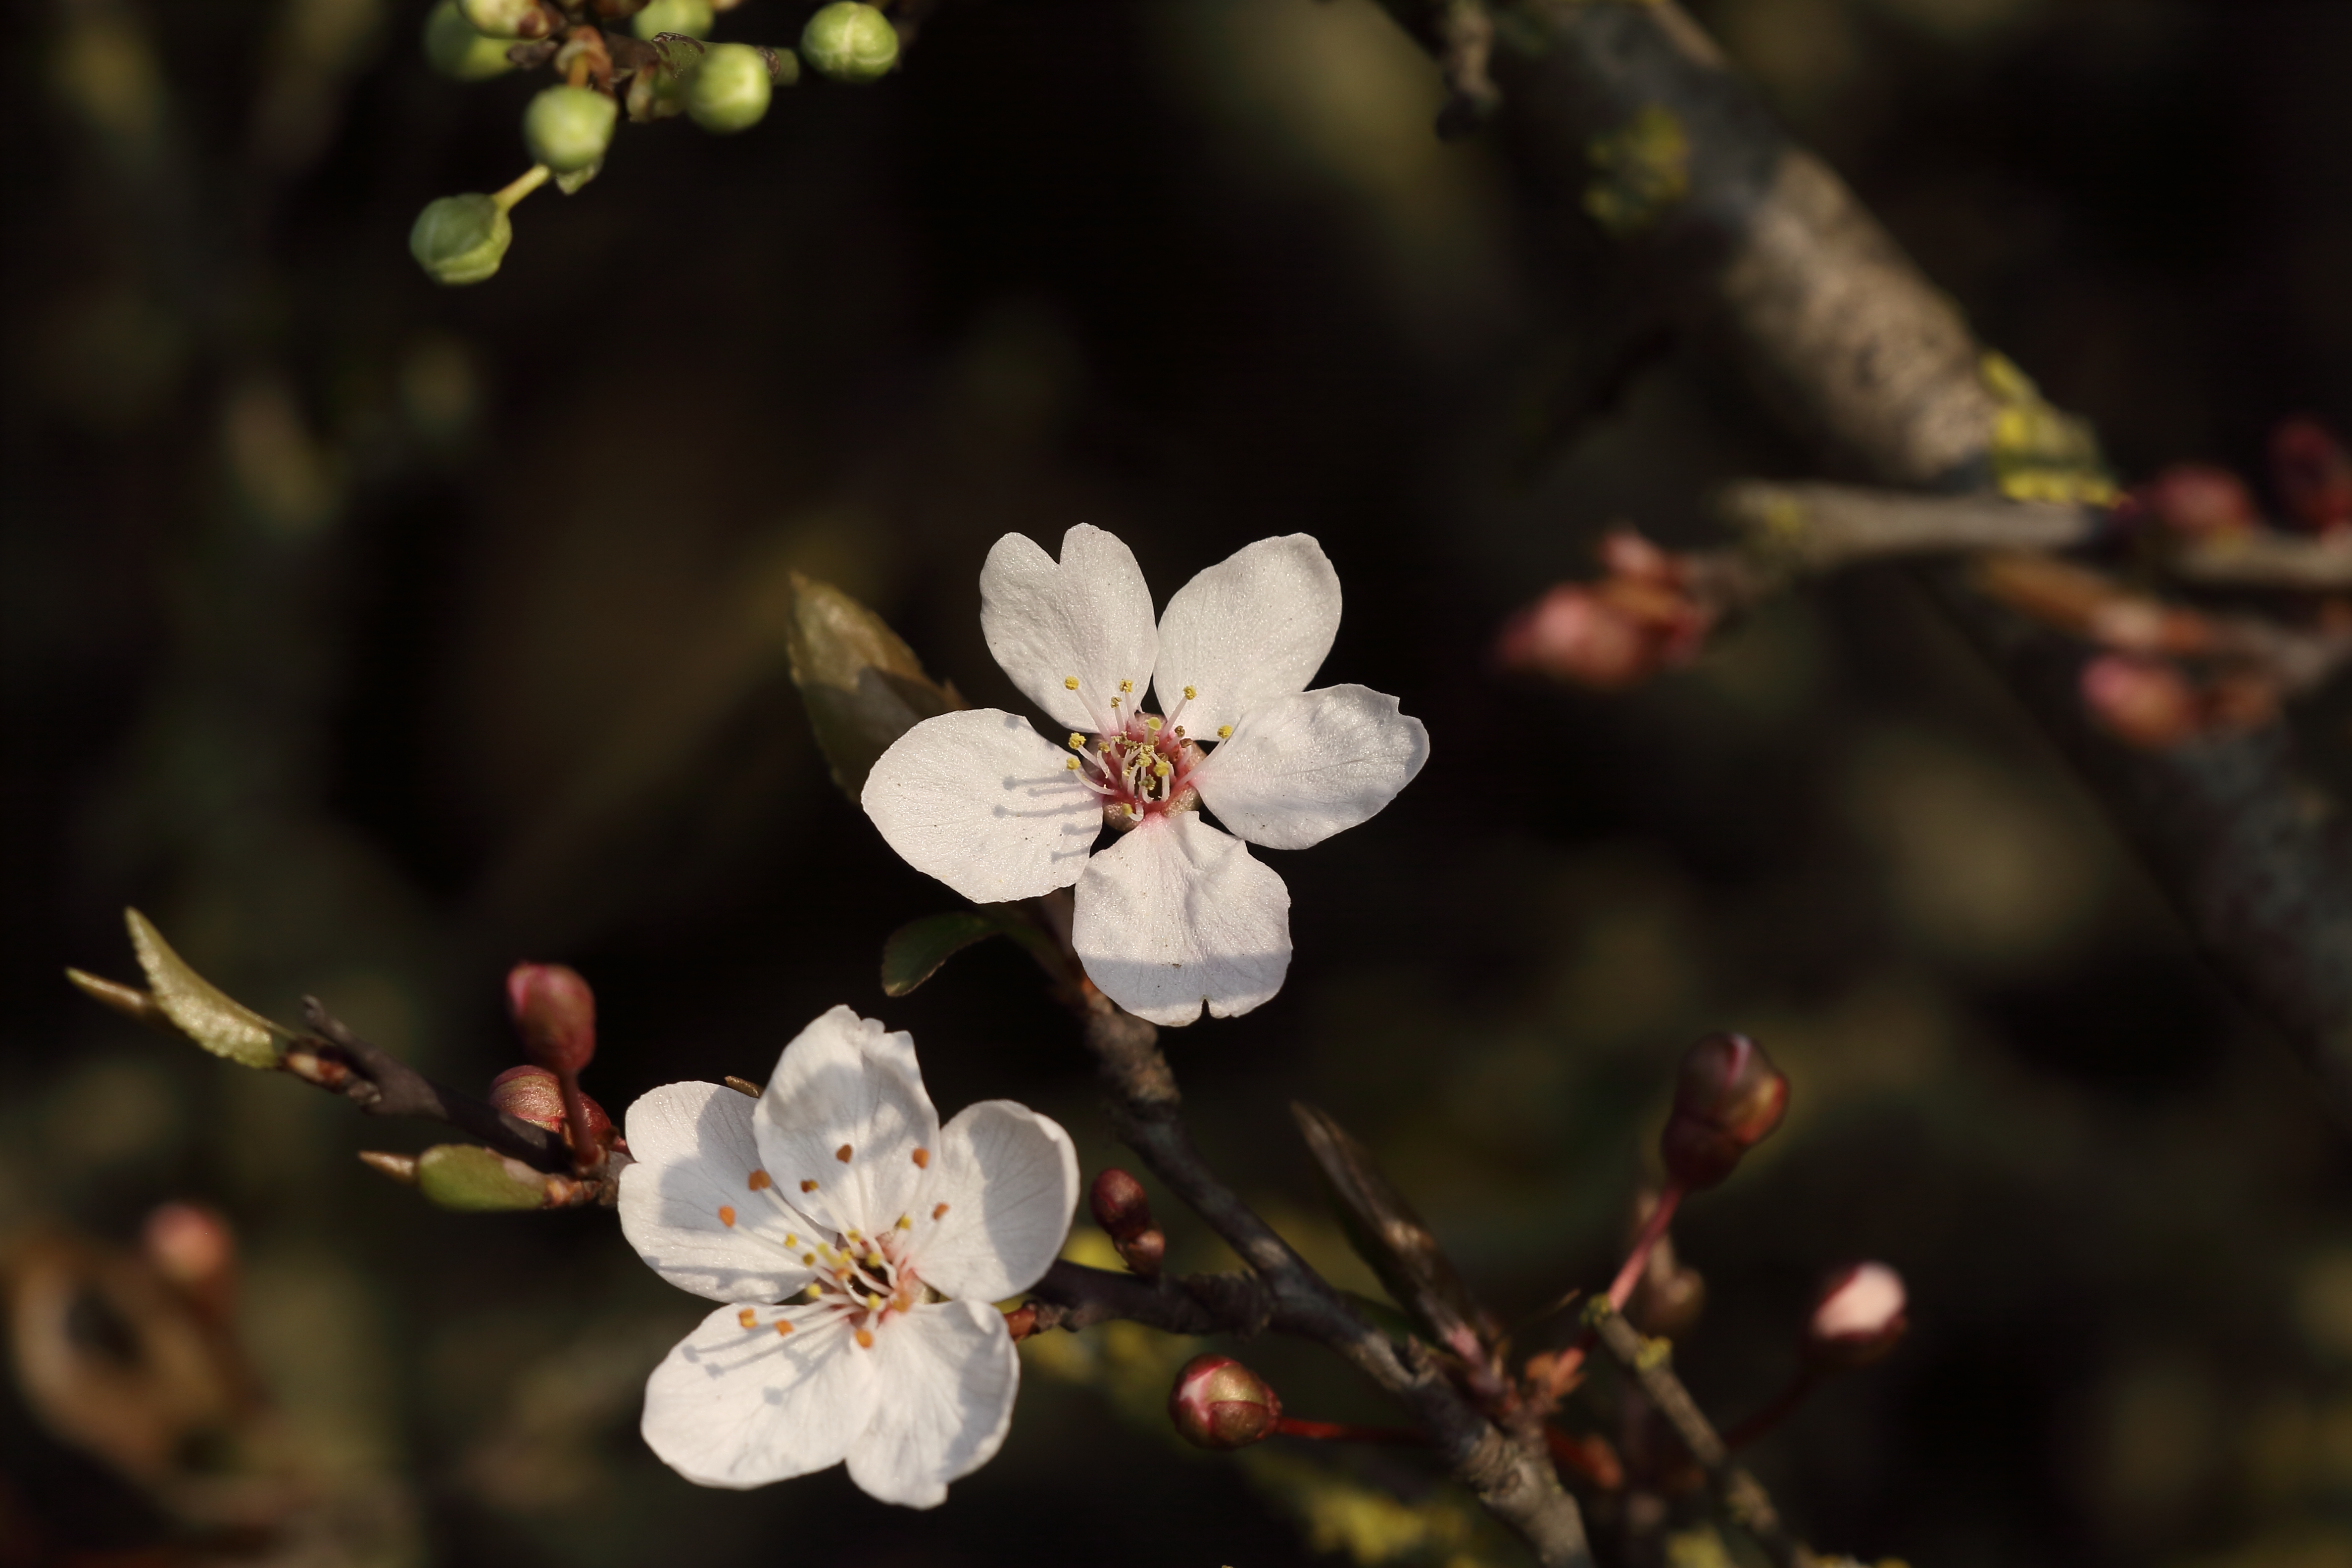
<point x="1175" y="913"/>
<point x="858" y="1245"/>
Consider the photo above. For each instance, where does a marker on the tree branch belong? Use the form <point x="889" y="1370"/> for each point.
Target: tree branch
<point x="1513" y="1478"/>
<point x="1759" y="247"/>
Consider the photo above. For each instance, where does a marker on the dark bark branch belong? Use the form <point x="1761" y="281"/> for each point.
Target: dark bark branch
<point x="1742" y="1498"/>
<point x="1759" y="247"/>
<point x="1512" y="1476"/>
<point x="383" y="1085"/>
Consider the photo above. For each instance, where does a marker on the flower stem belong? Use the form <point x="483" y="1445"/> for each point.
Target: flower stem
<point x="1621" y="1289"/>
<point x="1341" y="1432"/>
<point x="585" y="1153"/>
<point x="506" y="196"/>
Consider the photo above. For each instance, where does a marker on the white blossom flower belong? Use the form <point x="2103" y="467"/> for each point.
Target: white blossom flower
<point x="1175" y="913"/>
<point x="858" y="1244"/>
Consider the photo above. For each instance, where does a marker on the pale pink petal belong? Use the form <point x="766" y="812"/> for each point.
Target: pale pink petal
<point x="998" y="1206"/>
<point x="982" y="801"/>
<point x="737" y="1407"/>
<point x="947" y="1376"/>
<point x="1300" y="768"/>
<point x="696" y="1206"/>
<point x="844" y="1126"/>
<point x="1253" y="628"/>
<point x="1176" y="914"/>
<point x="1088" y="617"/>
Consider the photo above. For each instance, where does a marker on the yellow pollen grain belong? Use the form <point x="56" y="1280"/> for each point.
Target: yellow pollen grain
<point x="725" y="1216"/>
<point x="939" y="1213"/>
<point x="841" y="1154"/>
<point x="854" y="1236"/>
<point x="923" y="1159"/>
<point x="1224" y="732"/>
<point x="1126" y="686"/>
<point x="865" y="1339"/>
<point x="809" y="1185"/>
<point x="760" y="1181"/>
<point x="1070" y="764"/>
<point x="748" y="1318"/>
<point x="1190" y="694"/>
<point x="784" y="1326"/>
<point x="813" y="1293"/>
<point x="808" y="1260"/>
<point x="790" y="1240"/>
<point x="906" y="1224"/>
<point x="1077" y="741"/>
<point x="1069" y="683"/>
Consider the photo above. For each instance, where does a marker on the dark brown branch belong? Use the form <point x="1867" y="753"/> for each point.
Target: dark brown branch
<point x="1738" y="1493"/>
<point x="1513" y="1478"/>
<point x="1076" y="1297"/>
<point x="1763" y="251"/>
<point x="383" y="1085"/>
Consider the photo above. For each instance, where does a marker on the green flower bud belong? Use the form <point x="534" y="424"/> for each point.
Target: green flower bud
<point x="454" y="49"/>
<point x="480" y="1180"/>
<point x="730" y="89"/>
<point x="567" y="128"/>
<point x="692" y="18"/>
<point x="505" y="18"/>
<point x="460" y="240"/>
<point x="850" y="42"/>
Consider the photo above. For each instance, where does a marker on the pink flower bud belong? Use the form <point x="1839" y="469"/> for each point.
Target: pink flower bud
<point x="2142" y="703"/>
<point x="2312" y="474"/>
<point x="193" y="1246"/>
<point x="555" y="1013"/>
<point x="531" y="1094"/>
<point x="1857" y="1317"/>
<point x="2196" y="500"/>
<point x="1728" y="1098"/>
<point x="1218" y="1403"/>
<point x="1625" y="554"/>
<point x="1574" y="634"/>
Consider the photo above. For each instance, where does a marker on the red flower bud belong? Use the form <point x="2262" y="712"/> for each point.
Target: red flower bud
<point x="1728" y="1098"/>
<point x="2142" y="703"/>
<point x="1575" y="634"/>
<point x="2312" y="474"/>
<point x="555" y="1013"/>
<point x="1121" y="1207"/>
<point x="1218" y="1403"/>
<point x="1144" y="1252"/>
<point x="1857" y="1317"/>
<point x="193" y="1246"/>
<point x="531" y="1094"/>
<point x="2195" y="500"/>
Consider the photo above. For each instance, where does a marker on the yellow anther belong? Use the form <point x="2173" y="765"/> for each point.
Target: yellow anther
<point x="865" y="1339"/>
<point x="872" y="1300"/>
<point x="809" y="1185"/>
<point x="841" y="1155"/>
<point x="1077" y="741"/>
<point x="758" y="1180"/>
<point x="906" y="1224"/>
<point x="748" y="1318"/>
<point x="1126" y="686"/>
<point x="1178" y="732"/>
<point x="1069" y="764"/>
<point x="940" y="1212"/>
<point x="1190" y="694"/>
<point x="1224" y="732"/>
<point x="855" y="1236"/>
<point x="790" y="1240"/>
<point x="813" y="1292"/>
<point x="784" y="1325"/>
<point x="1152" y="723"/>
<point x="727" y="1216"/>
<point x="1159" y="769"/>
<point x="808" y="1260"/>
<point x="1113" y="702"/>
<point x="873" y="1260"/>
<point x="1069" y="683"/>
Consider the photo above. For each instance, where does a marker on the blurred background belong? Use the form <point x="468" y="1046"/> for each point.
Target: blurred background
<point x="371" y="637"/>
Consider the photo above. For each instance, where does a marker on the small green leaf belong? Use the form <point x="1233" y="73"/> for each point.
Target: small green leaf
<point x="915" y="949"/>
<point x="200" y="1010"/>
<point x="477" y="1181"/>
<point x="126" y="1000"/>
<point x="863" y="684"/>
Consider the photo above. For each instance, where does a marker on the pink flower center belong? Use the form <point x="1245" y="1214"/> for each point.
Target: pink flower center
<point x="1142" y="769"/>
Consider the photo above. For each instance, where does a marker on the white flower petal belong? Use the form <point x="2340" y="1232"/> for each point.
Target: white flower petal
<point x="1302" y="767"/>
<point x="732" y="1407"/>
<point x="846" y="1086"/>
<point x="1253" y="628"/>
<point x="948" y="1375"/>
<point x="1009" y="1179"/>
<point x="1176" y="914"/>
<point x="985" y="804"/>
<point x="689" y="1206"/>
<point x="1089" y="616"/>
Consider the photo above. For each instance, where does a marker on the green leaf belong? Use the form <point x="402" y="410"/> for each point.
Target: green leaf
<point x="200" y="1010"/>
<point x="863" y="685"/>
<point x="915" y="949"/>
<point x="468" y="1177"/>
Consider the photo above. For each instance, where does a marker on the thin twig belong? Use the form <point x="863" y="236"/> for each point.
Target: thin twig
<point x="1743" y="1500"/>
<point x="1513" y="1478"/>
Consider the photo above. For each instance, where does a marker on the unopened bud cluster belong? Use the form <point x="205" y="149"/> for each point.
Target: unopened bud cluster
<point x="1218" y="1403"/>
<point x="1727" y="1099"/>
<point x="1639" y="619"/>
<point x="1124" y="1211"/>
<point x="1858" y="1316"/>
